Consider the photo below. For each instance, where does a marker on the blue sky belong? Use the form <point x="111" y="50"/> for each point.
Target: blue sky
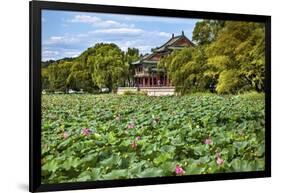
<point x="68" y="34"/>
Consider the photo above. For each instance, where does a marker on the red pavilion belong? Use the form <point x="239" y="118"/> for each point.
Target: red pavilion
<point x="146" y="72"/>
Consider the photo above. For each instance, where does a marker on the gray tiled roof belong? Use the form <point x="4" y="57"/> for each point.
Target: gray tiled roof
<point x="165" y="47"/>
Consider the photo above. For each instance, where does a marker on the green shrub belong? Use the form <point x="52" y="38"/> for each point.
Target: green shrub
<point x="130" y="92"/>
<point x="252" y="95"/>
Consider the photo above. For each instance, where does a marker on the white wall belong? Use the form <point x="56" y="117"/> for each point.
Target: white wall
<point x="14" y="94"/>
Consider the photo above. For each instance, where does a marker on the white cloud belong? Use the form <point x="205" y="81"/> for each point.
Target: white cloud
<point x="63" y="40"/>
<point x="49" y="52"/>
<point x="54" y="53"/>
<point x="72" y="53"/>
<point x="165" y="34"/>
<point x="67" y="45"/>
<point x="85" y="19"/>
<point x="159" y="19"/>
<point x="56" y="38"/>
<point x="107" y="31"/>
<point x="49" y="55"/>
<point x="97" y="22"/>
<point x="116" y="31"/>
<point x="83" y="35"/>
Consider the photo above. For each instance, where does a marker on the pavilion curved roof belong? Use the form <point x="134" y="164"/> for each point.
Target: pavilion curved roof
<point x="171" y="44"/>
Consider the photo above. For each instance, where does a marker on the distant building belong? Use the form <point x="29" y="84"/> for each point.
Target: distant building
<point x="146" y="72"/>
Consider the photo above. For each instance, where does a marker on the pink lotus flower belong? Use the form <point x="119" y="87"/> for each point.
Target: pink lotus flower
<point x="219" y="161"/>
<point x="131" y="125"/>
<point x="86" y="131"/>
<point x="179" y="170"/>
<point x="208" y="141"/>
<point x="138" y="138"/>
<point x="134" y="145"/>
<point x="65" y="135"/>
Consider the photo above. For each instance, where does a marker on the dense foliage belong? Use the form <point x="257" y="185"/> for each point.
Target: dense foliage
<point x="102" y="137"/>
<point x="229" y="58"/>
<point x="101" y="66"/>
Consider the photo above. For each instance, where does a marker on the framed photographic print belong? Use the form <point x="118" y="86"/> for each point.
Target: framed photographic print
<point x="126" y="96"/>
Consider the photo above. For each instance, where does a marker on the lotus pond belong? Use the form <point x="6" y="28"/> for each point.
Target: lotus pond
<point x="105" y="137"/>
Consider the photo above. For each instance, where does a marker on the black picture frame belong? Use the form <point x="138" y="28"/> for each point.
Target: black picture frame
<point x="35" y="8"/>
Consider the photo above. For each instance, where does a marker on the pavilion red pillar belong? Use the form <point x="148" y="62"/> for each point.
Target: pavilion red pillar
<point x="148" y="81"/>
<point x="143" y="81"/>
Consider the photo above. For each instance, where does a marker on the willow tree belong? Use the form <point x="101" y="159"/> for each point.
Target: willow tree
<point x="107" y="65"/>
<point x="57" y="74"/>
<point x="236" y="57"/>
<point x="80" y="78"/>
<point x="206" y="31"/>
<point x="131" y="55"/>
<point x="229" y="56"/>
<point x="186" y="68"/>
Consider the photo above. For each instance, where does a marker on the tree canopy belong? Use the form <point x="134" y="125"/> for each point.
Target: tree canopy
<point x="101" y="66"/>
<point x="229" y="57"/>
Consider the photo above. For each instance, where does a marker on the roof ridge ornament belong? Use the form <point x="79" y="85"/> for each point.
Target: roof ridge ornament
<point x="182" y="33"/>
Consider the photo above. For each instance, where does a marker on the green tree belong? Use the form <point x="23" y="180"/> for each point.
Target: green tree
<point x="131" y="55"/>
<point x="229" y="55"/>
<point x="107" y="65"/>
<point x="58" y="73"/>
<point x="206" y="31"/>
<point x="239" y="50"/>
<point x="185" y="69"/>
<point x="103" y="65"/>
<point x="45" y="78"/>
<point x="80" y="78"/>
